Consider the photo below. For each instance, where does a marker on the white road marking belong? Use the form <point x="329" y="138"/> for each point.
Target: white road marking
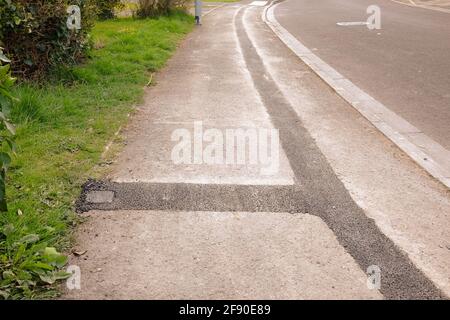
<point x="258" y="3"/>
<point x="423" y="6"/>
<point x="354" y="23"/>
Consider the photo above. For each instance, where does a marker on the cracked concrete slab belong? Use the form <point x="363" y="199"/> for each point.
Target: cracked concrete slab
<point x="198" y="255"/>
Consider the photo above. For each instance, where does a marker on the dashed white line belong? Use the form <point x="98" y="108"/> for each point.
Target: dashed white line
<point x="353" y="23"/>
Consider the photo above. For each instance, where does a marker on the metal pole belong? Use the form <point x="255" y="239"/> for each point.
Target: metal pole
<point x="198" y="11"/>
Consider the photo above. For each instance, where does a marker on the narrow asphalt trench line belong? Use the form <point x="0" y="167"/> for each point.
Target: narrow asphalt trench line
<point x="317" y="191"/>
<point x="191" y="197"/>
<point x="326" y="195"/>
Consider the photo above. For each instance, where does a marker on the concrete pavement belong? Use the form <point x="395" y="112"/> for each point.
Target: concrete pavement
<point x="205" y="231"/>
<point x="214" y="255"/>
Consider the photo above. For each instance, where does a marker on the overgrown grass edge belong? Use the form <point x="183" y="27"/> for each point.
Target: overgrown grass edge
<point x="62" y="129"/>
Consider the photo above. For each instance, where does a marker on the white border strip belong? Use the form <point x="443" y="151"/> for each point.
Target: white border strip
<point x="422" y="6"/>
<point x="430" y="155"/>
<point x="213" y="9"/>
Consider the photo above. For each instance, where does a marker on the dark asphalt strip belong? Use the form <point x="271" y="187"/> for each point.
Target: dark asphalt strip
<point x="326" y="195"/>
<point x="195" y="197"/>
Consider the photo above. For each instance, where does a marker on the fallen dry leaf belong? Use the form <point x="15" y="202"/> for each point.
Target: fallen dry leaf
<point x="79" y="252"/>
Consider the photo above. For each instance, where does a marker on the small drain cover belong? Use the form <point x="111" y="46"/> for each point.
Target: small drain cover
<point x="100" y="197"/>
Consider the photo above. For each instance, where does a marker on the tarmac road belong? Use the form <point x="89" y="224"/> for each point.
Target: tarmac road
<point x="405" y="65"/>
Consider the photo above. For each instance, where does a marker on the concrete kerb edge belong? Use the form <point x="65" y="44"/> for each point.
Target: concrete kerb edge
<point x="421" y="6"/>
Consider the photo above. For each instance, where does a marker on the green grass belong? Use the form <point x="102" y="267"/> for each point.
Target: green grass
<point x="62" y="129"/>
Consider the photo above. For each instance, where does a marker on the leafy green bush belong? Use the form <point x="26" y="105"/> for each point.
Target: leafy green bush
<point x="106" y="8"/>
<point x="152" y="8"/>
<point x="36" y="38"/>
<point x="7" y="130"/>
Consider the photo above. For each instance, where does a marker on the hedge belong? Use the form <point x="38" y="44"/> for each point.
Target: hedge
<point x="35" y="35"/>
<point x="106" y="8"/>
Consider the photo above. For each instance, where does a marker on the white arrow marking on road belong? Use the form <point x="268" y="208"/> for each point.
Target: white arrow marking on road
<point x="355" y="23"/>
<point x="258" y="3"/>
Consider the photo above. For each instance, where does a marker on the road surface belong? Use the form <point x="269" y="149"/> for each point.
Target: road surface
<point x="405" y="65"/>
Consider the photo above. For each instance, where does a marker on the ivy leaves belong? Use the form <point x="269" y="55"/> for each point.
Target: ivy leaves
<point x="28" y="263"/>
<point x="7" y="130"/>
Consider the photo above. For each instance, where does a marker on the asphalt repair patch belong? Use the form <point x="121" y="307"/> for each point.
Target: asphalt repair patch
<point x="190" y="197"/>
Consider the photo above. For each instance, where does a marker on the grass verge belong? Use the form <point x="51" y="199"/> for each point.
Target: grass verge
<point x="62" y="129"/>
